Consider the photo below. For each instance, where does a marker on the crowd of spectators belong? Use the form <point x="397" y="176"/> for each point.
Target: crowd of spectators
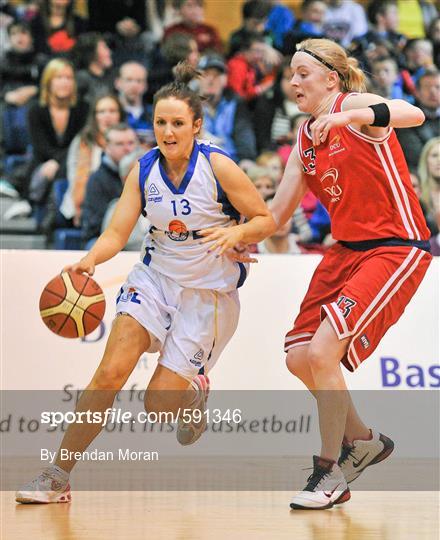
<point x="76" y="95"/>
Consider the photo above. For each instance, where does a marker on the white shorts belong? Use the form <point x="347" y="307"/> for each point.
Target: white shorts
<point x="190" y="327"/>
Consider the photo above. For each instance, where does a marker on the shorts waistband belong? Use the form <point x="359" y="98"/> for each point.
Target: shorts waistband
<point x="365" y="245"/>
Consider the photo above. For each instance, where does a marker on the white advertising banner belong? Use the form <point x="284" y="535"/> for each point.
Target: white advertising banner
<point x="33" y="358"/>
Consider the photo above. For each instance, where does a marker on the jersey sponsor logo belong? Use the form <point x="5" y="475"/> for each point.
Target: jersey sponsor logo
<point x="154" y="194"/>
<point x="329" y="184"/>
<point x="129" y="296"/>
<point x="177" y="231"/>
<point x="346" y="304"/>
<point x="197" y="358"/>
<point x="335" y="145"/>
<point x="199" y="355"/>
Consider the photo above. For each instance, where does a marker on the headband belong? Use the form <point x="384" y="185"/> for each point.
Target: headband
<point x="326" y="64"/>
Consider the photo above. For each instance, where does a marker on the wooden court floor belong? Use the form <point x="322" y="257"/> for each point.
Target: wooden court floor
<point x="225" y="515"/>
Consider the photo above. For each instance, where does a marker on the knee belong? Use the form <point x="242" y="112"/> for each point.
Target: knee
<point x="296" y="362"/>
<point x="128" y="335"/>
<point x="108" y="378"/>
<point x="317" y="357"/>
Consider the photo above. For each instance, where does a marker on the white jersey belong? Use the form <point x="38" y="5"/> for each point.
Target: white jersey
<point x="172" y="245"/>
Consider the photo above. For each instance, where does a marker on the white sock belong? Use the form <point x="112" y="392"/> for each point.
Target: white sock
<point x="59" y="472"/>
<point x="197" y="390"/>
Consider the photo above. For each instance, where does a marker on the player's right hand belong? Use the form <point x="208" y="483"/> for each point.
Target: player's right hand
<point x="85" y="266"/>
<point x="240" y="253"/>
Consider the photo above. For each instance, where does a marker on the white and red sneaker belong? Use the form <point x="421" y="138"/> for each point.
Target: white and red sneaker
<point x="326" y="486"/>
<point x="359" y="455"/>
<point x="50" y="486"/>
<point x="188" y="432"/>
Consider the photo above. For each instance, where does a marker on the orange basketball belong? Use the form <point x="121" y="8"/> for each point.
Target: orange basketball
<point x="72" y="305"/>
<point x="177" y="227"/>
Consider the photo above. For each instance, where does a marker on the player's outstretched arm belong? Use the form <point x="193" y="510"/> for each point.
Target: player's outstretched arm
<point x="246" y="199"/>
<point x="357" y="112"/>
<point x="114" y="238"/>
<point x="290" y="191"/>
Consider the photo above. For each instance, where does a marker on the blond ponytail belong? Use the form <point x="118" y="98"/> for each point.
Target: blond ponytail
<point x="355" y="80"/>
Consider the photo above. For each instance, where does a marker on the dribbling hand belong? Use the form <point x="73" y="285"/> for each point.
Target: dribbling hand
<point x="85" y="266"/>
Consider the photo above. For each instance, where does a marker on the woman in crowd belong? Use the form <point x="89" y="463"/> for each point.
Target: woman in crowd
<point x="429" y="174"/>
<point x="56" y="27"/>
<point x="85" y="152"/>
<point x="53" y="123"/>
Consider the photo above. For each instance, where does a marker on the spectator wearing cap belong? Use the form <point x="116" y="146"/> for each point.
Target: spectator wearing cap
<point x="192" y="15"/>
<point x="226" y="117"/>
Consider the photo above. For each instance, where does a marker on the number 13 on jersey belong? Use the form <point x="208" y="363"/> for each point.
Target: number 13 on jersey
<point x="181" y="207"/>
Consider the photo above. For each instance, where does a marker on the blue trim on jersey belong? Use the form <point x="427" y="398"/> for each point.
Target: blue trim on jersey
<point x="227" y="207"/>
<point x="188" y="175"/>
<point x="121" y="290"/>
<point x="147" y="257"/>
<point x="207" y="149"/>
<point x="243" y="275"/>
<point x="146" y="163"/>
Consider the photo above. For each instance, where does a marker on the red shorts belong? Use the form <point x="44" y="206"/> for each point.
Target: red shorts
<point x="362" y="293"/>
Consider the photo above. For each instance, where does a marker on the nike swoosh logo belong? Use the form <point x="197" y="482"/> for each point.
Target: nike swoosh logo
<point x="359" y="463"/>
<point x="327" y="494"/>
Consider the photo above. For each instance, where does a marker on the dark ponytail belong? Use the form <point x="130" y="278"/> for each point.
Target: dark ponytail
<point x="184" y="73"/>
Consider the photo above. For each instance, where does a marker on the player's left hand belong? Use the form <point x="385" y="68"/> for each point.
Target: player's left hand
<point x="321" y="127"/>
<point x="224" y="238"/>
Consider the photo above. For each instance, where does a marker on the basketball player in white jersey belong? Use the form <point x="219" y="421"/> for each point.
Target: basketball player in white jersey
<point x="181" y="298"/>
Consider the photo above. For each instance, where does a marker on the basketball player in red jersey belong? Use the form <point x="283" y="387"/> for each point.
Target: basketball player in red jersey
<point x="348" y="155"/>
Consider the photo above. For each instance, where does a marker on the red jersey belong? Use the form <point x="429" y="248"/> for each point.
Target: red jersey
<point x="363" y="182"/>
